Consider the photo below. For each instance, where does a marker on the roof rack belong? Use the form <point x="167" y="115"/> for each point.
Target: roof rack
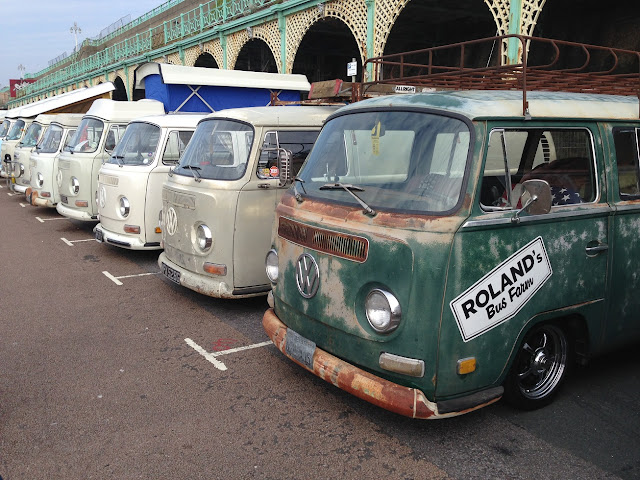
<point x="548" y="65"/>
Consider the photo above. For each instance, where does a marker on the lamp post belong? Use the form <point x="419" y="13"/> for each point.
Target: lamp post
<point x="75" y="29"/>
<point x="21" y="68"/>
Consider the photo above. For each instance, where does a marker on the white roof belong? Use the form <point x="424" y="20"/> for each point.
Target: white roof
<point x="115" y="111"/>
<point x="173" y="120"/>
<point x="45" y="118"/>
<point x="68" y="119"/>
<point x="181" y="75"/>
<point x="278" y="116"/>
<point x="64" y="99"/>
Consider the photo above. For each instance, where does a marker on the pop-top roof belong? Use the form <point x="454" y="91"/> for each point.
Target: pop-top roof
<point x="182" y="75"/>
<point x="114" y="111"/>
<point x="64" y="100"/>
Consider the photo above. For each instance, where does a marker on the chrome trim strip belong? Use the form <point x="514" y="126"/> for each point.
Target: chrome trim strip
<point x="605" y="210"/>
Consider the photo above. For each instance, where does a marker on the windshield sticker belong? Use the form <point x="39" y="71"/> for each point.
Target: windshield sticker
<point x="500" y="294"/>
<point x="274" y="171"/>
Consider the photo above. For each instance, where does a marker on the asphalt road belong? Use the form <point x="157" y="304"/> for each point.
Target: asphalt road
<point x="100" y="380"/>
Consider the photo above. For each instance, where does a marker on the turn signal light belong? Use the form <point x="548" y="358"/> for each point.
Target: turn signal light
<point x="466" y="365"/>
<point x="214" y="269"/>
<point x="158" y="230"/>
<point x="131" y="229"/>
<point x="82" y="203"/>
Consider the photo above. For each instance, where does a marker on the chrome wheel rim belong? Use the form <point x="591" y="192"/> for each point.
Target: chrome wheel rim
<point x="543" y="360"/>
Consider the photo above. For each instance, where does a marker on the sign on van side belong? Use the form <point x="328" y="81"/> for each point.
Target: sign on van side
<point x="501" y="293"/>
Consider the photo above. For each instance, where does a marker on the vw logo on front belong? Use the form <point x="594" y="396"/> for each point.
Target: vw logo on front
<point x="171" y="221"/>
<point x="307" y="275"/>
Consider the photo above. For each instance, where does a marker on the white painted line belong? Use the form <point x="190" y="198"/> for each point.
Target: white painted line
<point x="1" y="187"/>
<point x="11" y="194"/>
<point x="209" y="356"/>
<point x="23" y="204"/>
<point x="240" y="349"/>
<point x="61" y="238"/>
<point x="42" y="220"/>
<point x="138" y="275"/>
<point x="71" y="242"/>
<point x="112" y="278"/>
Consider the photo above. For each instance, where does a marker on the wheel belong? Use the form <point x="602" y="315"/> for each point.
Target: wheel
<point x="539" y="368"/>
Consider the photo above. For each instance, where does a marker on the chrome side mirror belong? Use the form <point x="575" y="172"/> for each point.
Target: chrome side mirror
<point x="539" y="201"/>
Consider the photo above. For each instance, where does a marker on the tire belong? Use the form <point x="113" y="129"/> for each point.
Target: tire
<point x="539" y="368"/>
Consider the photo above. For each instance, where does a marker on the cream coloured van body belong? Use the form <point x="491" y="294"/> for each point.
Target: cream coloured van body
<point x="218" y="204"/>
<point x="16" y="131"/>
<point x="43" y="190"/>
<point x="96" y="137"/>
<point x="20" y="171"/>
<point x="130" y="182"/>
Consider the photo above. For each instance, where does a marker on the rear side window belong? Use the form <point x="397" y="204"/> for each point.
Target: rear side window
<point x="176" y="143"/>
<point x="627" y="142"/>
<point x="563" y="158"/>
<point x="299" y="143"/>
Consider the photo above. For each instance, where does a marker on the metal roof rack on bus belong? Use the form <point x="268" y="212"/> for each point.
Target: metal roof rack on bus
<point x="507" y="62"/>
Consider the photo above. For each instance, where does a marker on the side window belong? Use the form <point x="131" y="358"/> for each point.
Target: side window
<point x="562" y="157"/>
<point x="176" y="143"/>
<point x="626" y="142"/>
<point x="113" y="136"/>
<point x="299" y="143"/>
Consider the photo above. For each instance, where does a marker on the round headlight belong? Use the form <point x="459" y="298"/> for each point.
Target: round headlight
<point x="271" y="265"/>
<point x="383" y="311"/>
<point x="124" y="206"/>
<point x="204" y="239"/>
<point x="39" y="179"/>
<point x="75" y="185"/>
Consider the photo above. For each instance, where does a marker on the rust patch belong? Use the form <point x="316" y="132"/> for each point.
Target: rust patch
<point x="405" y="401"/>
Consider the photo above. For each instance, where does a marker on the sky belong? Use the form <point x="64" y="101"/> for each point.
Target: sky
<point x="37" y="31"/>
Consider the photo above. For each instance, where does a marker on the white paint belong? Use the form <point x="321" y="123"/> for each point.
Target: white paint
<point x="240" y="349"/>
<point x="112" y="278"/>
<point x="11" y="194"/>
<point x="42" y="220"/>
<point x="23" y="204"/>
<point x="208" y="356"/>
<point x="61" y="238"/>
<point x="138" y="275"/>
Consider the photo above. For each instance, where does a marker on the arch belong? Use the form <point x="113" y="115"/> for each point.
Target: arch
<point x="256" y="56"/>
<point x="120" y="93"/>
<point x="353" y="13"/>
<point x="325" y="50"/>
<point x="206" y="60"/>
<point x="268" y="32"/>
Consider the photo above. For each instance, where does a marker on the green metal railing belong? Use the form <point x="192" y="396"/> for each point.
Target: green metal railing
<point x="206" y="16"/>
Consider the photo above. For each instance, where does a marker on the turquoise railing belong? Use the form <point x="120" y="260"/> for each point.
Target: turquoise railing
<point x="203" y="17"/>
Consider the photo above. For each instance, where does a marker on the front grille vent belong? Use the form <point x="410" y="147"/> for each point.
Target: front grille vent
<point x="341" y="245"/>
<point x="108" y="179"/>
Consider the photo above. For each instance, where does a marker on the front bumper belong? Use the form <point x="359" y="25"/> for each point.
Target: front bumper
<point x="210" y="286"/>
<point x="406" y="401"/>
<point x="123" y="241"/>
<point x="19" y="188"/>
<point x="75" y="214"/>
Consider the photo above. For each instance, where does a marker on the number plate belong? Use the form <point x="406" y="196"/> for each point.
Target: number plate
<point x="99" y="235"/>
<point x="170" y="273"/>
<point x="64" y="199"/>
<point x="300" y="349"/>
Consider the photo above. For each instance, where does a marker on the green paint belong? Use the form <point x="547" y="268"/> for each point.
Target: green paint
<point x="515" y="28"/>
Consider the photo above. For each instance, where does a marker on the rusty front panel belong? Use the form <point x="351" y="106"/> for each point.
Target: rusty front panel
<point x="409" y="402"/>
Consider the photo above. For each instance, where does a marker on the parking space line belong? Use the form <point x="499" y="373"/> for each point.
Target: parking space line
<point x="42" y="220"/>
<point x="71" y="242"/>
<point x="240" y="349"/>
<point x="210" y="357"/>
<point x="23" y="204"/>
<point x="117" y="281"/>
<point x="12" y="194"/>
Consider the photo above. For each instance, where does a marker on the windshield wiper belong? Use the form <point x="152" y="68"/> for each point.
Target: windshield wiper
<point x="295" y="190"/>
<point x="118" y="158"/>
<point x="350" y="189"/>
<point x="194" y="170"/>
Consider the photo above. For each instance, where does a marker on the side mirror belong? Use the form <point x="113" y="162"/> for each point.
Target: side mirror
<point x="539" y="201"/>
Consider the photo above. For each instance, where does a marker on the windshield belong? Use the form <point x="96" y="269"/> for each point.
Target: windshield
<point x="4" y="128"/>
<point x="51" y="139"/>
<point x="15" y="132"/>
<point x="218" y="150"/>
<point x="137" y="146"/>
<point x="32" y="136"/>
<point x="393" y="160"/>
<point x="87" y="137"/>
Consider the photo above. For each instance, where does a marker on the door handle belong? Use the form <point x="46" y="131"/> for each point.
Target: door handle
<point x="594" y="248"/>
<point x="264" y="185"/>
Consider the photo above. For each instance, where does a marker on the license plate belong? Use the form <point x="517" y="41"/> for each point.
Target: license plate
<point x="64" y="199"/>
<point x="99" y="235"/>
<point x="170" y="273"/>
<point x="300" y="349"/>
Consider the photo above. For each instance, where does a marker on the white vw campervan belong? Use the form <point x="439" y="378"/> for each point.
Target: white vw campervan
<point x="43" y="190"/>
<point x="20" y="174"/>
<point x="130" y="182"/>
<point x="96" y="137"/>
<point x="218" y="205"/>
